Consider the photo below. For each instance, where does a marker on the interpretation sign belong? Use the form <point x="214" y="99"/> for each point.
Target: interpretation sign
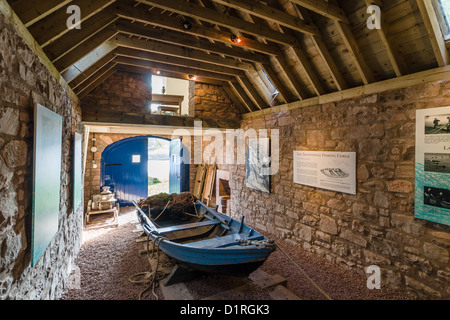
<point x="334" y="171"/>
<point x="432" y="189"/>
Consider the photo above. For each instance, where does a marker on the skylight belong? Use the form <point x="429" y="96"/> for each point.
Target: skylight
<point x="443" y="8"/>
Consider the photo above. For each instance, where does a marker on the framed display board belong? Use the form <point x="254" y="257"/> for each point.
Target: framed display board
<point x="77" y="171"/>
<point x="46" y="179"/>
<point x="258" y="165"/>
<point x="432" y="187"/>
<point x="334" y="171"/>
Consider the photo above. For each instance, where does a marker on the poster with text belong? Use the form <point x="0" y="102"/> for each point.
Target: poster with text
<point x="432" y="188"/>
<point x="334" y="171"/>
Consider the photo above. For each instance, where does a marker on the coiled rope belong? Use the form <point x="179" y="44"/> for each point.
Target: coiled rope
<point x="150" y="278"/>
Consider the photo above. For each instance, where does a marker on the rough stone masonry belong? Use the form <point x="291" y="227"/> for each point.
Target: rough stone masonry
<point x="25" y="81"/>
<point x="377" y="226"/>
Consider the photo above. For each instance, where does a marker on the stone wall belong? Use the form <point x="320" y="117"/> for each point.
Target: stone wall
<point x="25" y="81"/>
<point x="377" y="226"/>
<point x="122" y="92"/>
<point x="212" y="102"/>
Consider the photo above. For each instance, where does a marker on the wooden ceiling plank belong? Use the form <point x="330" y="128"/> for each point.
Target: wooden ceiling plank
<point x="215" y="17"/>
<point x="175" y="75"/>
<point x="99" y="117"/>
<point x="54" y="26"/>
<point x="324" y="8"/>
<point x="240" y="92"/>
<point x="323" y="51"/>
<point x="76" y="37"/>
<point x="177" y="51"/>
<point x="267" y="12"/>
<point x="434" y="31"/>
<point x="311" y="74"/>
<point x="296" y="83"/>
<point x="95" y="75"/>
<point x="233" y="97"/>
<point x="80" y="66"/>
<point x="86" y="74"/>
<point x="181" y="39"/>
<point x="351" y="44"/>
<point x="156" y="19"/>
<point x="171" y="68"/>
<point x="260" y="102"/>
<point x="64" y="62"/>
<point x="397" y="62"/>
<point x="96" y="83"/>
<point x="155" y="57"/>
<point x="31" y="11"/>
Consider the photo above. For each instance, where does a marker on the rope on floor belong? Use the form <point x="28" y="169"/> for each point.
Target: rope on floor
<point x="151" y="279"/>
<point x="304" y="273"/>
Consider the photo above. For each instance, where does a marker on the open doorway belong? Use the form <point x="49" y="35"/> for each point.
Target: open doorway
<point x="136" y="167"/>
<point x="158" y="166"/>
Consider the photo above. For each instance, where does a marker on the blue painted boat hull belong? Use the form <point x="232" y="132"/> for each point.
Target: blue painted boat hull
<point x="230" y="246"/>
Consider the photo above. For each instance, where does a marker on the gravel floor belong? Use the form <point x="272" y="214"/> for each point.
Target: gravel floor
<point x="110" y="256"/>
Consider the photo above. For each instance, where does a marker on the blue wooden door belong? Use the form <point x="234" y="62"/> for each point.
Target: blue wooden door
<point x="179" y="170"/>
<point x="125" y="169"/>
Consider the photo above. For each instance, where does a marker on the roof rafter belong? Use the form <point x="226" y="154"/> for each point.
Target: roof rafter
<point x="176" y="38"/>
<point x="155" y="19"/>
<point x="31" y="11"/>
<point x="172" y="68"/>
<point x="172" y="50"/>
<point x="324" y="8"/>
<point x="267" y="12"/>
<point x="54" y="26"/>
<point x="432" y="24"/>
<point x="215" y="17"/>
<point x="162" y="58"/>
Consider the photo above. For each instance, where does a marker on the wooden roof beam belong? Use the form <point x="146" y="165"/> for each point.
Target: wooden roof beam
<point x="429" y="17"/>
<point x="324" y="53"/>
<point x="181" y="39"/>
<point x="175" y="75"/>
<point x="267" y="12"/>
<point x="221" y="19"/>
<point x="396" y="60"/>
<point x="86" y="74"/>
<point x="96" y="83"/>
<point x="64" y="62"/>
<point x="324" y="8"/>
<point x="31" y="11"/>
<point x="88" y="61"/>
<point x="351" y="44"/>
<point x="95" y="75"/>
<point x="171" y="68"/>
<point x="54" y="26"/>
<point x="177" y="51"/>
<point x="76" y="37"/>
<point x="154" y="18"/>
<point x="243" y="96"/>
<point x="162" y="58"/>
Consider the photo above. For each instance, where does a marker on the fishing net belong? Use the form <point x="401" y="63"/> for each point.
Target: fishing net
<point x="171" y="206"/>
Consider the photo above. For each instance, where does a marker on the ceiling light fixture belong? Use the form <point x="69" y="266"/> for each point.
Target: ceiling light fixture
<point x="234" y="38"/>
<point x="192" y="77"/>
<point x="187" y="25"/>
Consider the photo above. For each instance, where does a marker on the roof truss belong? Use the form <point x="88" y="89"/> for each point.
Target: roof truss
<point x="287" y="41"/>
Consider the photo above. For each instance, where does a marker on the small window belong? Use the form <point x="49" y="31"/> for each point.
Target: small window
<point x="443" y="14"/>
<point x="269" y="84"/>
<point x="136" y="158"/>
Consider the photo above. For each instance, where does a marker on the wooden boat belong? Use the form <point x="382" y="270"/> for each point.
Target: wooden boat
<point x="207" y="241"/>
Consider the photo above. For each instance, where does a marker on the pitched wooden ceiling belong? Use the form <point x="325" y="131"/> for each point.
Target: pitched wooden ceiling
<point x="305" y="48"/>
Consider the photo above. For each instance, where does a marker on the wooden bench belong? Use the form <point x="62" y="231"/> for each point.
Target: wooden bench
<point x="189" y="226"/>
